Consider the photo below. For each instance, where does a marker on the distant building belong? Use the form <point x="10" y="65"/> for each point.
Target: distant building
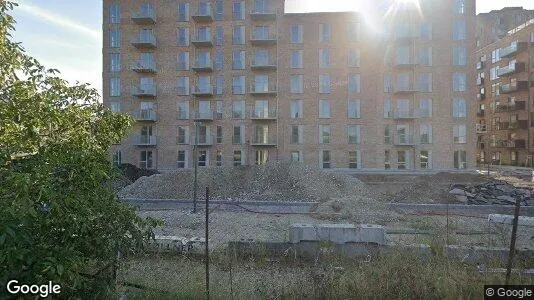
<point x="495" y="24"/>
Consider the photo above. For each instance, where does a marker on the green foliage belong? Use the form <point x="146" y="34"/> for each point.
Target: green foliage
<point x="58" y="221"/>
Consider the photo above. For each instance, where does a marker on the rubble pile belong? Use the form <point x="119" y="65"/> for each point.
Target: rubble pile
<point x="493" y="192"/>
<point x="278" y="181"/>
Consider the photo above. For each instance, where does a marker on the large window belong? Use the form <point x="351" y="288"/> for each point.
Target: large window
<point x="238" y="135"/>
<point x="459" y="30"/>
<point x="324" y="84"/>
<point x="219" y="10"/>
<point x="114" y="87"/>
<point x="115" y="62"/>
<point x="114" y="13"/>
<point x="425" y="133"/>
<point x="459" y="108"/>
<point x="296" y="134"/>
<point x="425" y="56"/>
<point x="183" y="61"/>
<point x="238" y="10"/>
<point x="145" y="161"/>
<point x="114" y="38"/>
<point x="324" y="157"/>
<point x="460" y="159"/>
<point x="183" y="36"/>
<point x="325" y="109"/>
<point x="425" y="82"/>
<point x="238" y="109"/>
<point x="353" y="31"/>
<point x="183" y="85"/>
<point x="325" y="32"/>
<point x="238" y="37"/>
<point x="182" y="137"/>
<point x="353" y="109"/>
<point x="297" y="59"/>
<point x="325" y="131"/>
<point x="354" y="159"/>
<point x="238" y="158"/>
<point x="460" y="134"/>
<point x="219" y="36"/>
<point x="459" y="82"/>
<point x="459" y="56"/>
<point x="183" y="12"/>
<point x="297" y="84"/>
<point x="238" y="60"/>
<point x="353" y="134"/>
<point x="182" y="159"/>
<point x="354" y="83"/>
<point x="238" y="85"/>
<point x="353" y="58"/>
<point x="296" y="109"/>
<point x="296" y="34"/>
<point x="324" y="58"/>
<point x="425" y="159"/>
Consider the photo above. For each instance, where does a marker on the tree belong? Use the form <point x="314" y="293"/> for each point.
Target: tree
<point x="58" y="221"/>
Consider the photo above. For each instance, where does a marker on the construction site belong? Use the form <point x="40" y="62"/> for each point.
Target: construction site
<point x="320" y="218"/>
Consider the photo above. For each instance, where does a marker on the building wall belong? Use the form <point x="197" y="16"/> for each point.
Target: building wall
<point x="495" y="24"/>
<point x="377" y="46"/>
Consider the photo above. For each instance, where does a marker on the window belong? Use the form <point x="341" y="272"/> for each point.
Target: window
<point x="324" y="84"/>
<point x="238" y="158"/>
<point x="114" y="38"/>
<point x="204" y="34"/>
<point x="238" y="60"/>
<point x="296" y="34"/>
<point x="403" y="55"/>
<point x="353" y="31"/>
<point x="219" y="85"/>
<point x="203" y="59"/>
<point x="238" y="37"/>
<point x="459" y="82"/>
<point x="238" y="136"/>
<point x="262" y="33"/>
<point x="261" y="83"/>
<point x="425" y="133"/>
<point x="219" y="10"/>
<point x="324" y="134"/>
<point x="325" y="159"/>
<point x="387" y="109"/>
<point x="387" y="160"/>
<point x="219" y="60"/>
<point x="296" y="109"/>
<point x="324" y="58"/>
<point x="296" y="156"/>
<point x="145" y="161"/>
<point x="203" y="158"/>
<point x="495" y="55"/>
<point x="115" y="62"/>
<point x="238" y="85"/>
<point x="353" y="134"/>
<point x="204" y="8"/>
<point x="493" y="73"/>
<point x="425" y="82"/>
<point x="425" y="108"/>
<point x="219" y="109"/>
<point x="261" y="57"/>
<point x="238" y="10"/>
<point x="460" y="134"/>
<point x="183" y="61"/>
<point x="459" y="108"/>
<point x="325" y="32"/>
<point x="296" y="59"/>
<point x="459" y="56"/>
<point x="353" y="109"/>
<point x="117" y="158"/>
<point x="388" y="88"/>
<point x="402" y="160"/>
<point x="182" y="159"/>
<point x="354" y="83"/>
<point x="182" y="136"/>
<point x="296" y="134"/>
<point x="219" y="36"/>
<point x="183" y="110"/>
<point x="324" y="109"/>
<point x="424" y="159"/>
<point x="354" y="159"/>
<point x="115" y="106"/>
<point x="114" y="13"/>
<point x="297" y="84"/>
<point x="426" y="31"/>
<point x="183" y="85"/>
<point x="387" y="135"/>
<point x="354" y="58"/>
<point x="425" y="56"/>
<point x="403" y="135"/>
<point x="459" y="7"/>
<point x="183" y="12"/>
<point x="218" y="159"/>
<point x="114" y="87"/>
<point x="460" y="159"/>
<point x="183" y="36"/>
<point x="238" y="109"/>
<point x="459" y="30"/>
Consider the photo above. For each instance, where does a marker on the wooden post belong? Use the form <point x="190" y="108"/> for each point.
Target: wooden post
<point x="206" y="249"/>
<point x="513" y="239"/>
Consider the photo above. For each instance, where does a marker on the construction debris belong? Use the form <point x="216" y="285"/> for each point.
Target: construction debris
<point x="493" y="192"/>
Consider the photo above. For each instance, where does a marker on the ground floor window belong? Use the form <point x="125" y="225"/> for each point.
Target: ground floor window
<point x="353" y="159"/>
<point x="238" y="158"/>
<point x="181" y="159"/>
<point x="296" y="156"/>
<point x="261" y="157"/>
<point x="424" y="159"/>
<point x="145" y="161"/>
<point x="401" y="160"/>
<point x="387" y="160"/>
<point x="460" y="159"/>
<point x="513" y="157"/>
<point x="325" y="159"/>
<point x="202" y="158"/>
<point x="219" y="159"/>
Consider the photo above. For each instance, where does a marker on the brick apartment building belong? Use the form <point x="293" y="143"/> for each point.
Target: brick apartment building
<point x="494" y="25"/>
<point x="243" y="82"/>
<point x="505" y="83"/>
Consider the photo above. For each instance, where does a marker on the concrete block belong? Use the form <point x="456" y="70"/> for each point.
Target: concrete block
<point x="337" y="233"/>
<point x="369" y="233"/>
<point x="508" y="219"/>
<point x="302" y="232"/>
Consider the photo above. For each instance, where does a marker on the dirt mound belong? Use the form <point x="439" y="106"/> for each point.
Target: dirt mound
<point x="279" y="181"/>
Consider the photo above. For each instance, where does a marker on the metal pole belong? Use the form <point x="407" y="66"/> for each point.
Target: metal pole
<point x="195" y="161"/>
<point x="512" y="241"/>
<point x="206" y="251"/>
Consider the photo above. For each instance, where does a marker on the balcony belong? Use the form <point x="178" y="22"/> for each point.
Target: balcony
<point x="514" y="87"/>
<point x="409" y="114"/>
<point x="263" y="14"/>
<point x="203" y="91"/>
<point x="144" y="115"/>
<point x="263" y="64"/>
<point x="263" y="89"/>
<point x="202" y="41"/>
<point x="203" y="15"/>
<point x="511" y="69"/>
<point x="480" y="65"/>
<point x="263" y="39"/>
<point x="405" y="64"/>
<point x="203" y="115"/>
<point x="144" y="41"/>
<point x="502" y="126"/>
<point x="481" y="96"/>
<point x="404" y="90"/>
<point x="406" y="141"/>
<point x="261" y="140"/>
<point x="144" y="91"/>
<point x="481" y="128"/>
<point x="518" y="124"/>
<point x="144" y="16"/>
<point x="144" y="67"/>
<point x="203" y="140"/>
<point x="263" y="114"/>
<point x="145" y="140"/>
<point x="511" y="50"/>
<point x="480" y="81"/>
<point x="481" y="113"/>
<point x="513" y="144"/>
<point x="512" y="106"/>
<point x="204" y="66"/>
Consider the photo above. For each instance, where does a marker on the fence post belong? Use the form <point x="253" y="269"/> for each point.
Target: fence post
<point x="206" y="250"/>
<point x="512" y="240"/>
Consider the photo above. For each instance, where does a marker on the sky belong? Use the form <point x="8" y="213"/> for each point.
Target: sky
<point x="66" y="35"/>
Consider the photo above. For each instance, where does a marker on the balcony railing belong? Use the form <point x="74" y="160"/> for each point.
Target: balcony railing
<point x="263" y="39"/>
<point x="263" y="114"/>
<point x="144" y="115"/>
<point x="144" y="41"/>
<point x="511" y="69"/>
<point x="514" y="144"/>
<point x="511" y="50"/>
<point x="203" y="115"/>
<point x="202" y="41"/>
<point x="406" y="141"/>
<point x="263" y="89"/>
<point x="203" y="140"/>
<point x="263" y="14"/>
<point x="203" y="91"/>
<point x="144" y="91"/>
<point x="481" y="128"/>
<point x="204" y="66"/>
<point x="144" y="16"/>
<point x="144" y="66"/>
<point x="512" y="106"/>
<point x="514" y="87"/>
<point x="262" y="140"/>
<point x="405" y="90"/>
<point x="145" y="140"/>
<point x="203" y="14"/>
<point x="262" y="64"/>
<point x="518" y="124"/>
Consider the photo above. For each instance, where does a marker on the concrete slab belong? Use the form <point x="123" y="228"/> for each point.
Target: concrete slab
<point x="508" y="219"/>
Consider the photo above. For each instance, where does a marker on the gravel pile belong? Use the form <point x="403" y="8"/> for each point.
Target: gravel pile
<point x="279" y="181"/>
<point x="493" y="192"/>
